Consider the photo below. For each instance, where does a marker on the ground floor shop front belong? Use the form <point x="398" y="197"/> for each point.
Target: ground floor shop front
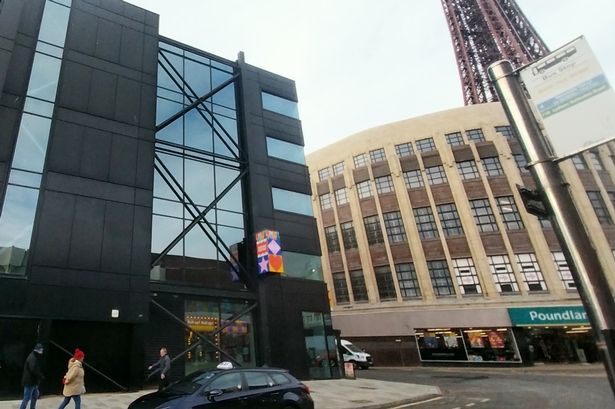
<point x="497" y="336"/>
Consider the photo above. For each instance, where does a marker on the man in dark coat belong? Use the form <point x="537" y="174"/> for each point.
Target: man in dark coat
<point x="32" y="376"/>
<point x="164" y="366"/>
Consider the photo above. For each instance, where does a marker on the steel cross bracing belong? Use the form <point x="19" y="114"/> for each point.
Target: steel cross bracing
<point x="486" y="31"/>
<point x="236" y="162"/>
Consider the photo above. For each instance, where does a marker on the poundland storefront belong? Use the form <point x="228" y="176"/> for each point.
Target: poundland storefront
<point x="554" y="334"/>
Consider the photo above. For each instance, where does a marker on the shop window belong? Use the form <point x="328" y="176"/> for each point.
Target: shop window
<point x="338" y="168"/>
<point x="503" y="275"/>
<point x="490" y="344"/>
<point x="509" y="213"/>
<point x="440" y="278"/>
<point x="408" y="282"/>
<point x="333" y="243"/>
<point x="360" y="160"/>
<point x="564" y="270"/>
<point x="440" y="344"/>
<point x="449" y="219"/>
<point x="341" y="198"/>
<point x="325" y="201"/>
<point x="384" y="184"/>
<point x="348" y="236"/>
<point x="454" y="139"/>
<point x="404" y="149"/>
<point x="324" y="174"/>
<point x="373" y="230"/>
<point x="425" y="223"/>
<point x="425" y="145"/>
<point x="377" y="155"/>
<point x="341" y="289"/>
<point x="357" y="283"/>
<point x="385" y="283"/>
<point x="483" y="215"/>
<point x="394" y="227"/>
<point x="492" y="166"/>
<point x="436" y="175"/>
<point x="467" y="279"/>
<point x="530" y="270"/>
<point x="475" y="135"/>
<point x="364" y="189"/>
<point x="468" y="170"/>
<point x="413" y="179"/>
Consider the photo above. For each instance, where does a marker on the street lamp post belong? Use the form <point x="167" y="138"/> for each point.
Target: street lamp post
<point x="576" y="243"/>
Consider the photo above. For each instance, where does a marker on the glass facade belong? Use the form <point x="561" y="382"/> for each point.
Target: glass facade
<point x="320" y="345"/>
<point x="25" y="174"/>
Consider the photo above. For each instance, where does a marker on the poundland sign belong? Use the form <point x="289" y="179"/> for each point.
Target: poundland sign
<point x="548" y="316"/>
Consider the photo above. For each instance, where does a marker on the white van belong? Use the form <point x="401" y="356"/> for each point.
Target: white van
<point x="355" y="355"/>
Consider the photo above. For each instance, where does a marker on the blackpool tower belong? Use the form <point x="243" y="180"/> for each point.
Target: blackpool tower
<point x="485" y="31"/>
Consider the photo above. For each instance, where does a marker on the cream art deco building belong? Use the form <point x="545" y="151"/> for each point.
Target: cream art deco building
<point x="429" y="254"/>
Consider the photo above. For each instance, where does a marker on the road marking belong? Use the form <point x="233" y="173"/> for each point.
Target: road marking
<point x="470" y="404"/>
<point x="417" y="403"/>
<point x="485" y="400"/>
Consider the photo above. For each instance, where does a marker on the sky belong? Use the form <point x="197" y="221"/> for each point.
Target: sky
<point x="358" y="64"/>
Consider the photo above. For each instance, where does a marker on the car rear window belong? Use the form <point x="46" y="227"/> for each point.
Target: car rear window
<point x="257" y="380"/>
<point x="280" y="378"/>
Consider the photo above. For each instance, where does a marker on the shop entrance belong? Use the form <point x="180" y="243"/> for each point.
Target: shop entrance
<point x="562" y="344"/>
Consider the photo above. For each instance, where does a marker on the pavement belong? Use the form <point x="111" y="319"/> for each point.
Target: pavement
<point x="327" y="394"/>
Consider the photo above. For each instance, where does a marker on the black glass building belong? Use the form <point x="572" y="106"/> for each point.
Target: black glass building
<point x="135" y="173"/>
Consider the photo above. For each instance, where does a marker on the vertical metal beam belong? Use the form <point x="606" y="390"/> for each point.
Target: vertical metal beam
<point x="575" y="241"/>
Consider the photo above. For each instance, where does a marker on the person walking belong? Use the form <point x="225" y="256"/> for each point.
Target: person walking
<point x="32" y="376"/>
<point x="74" y="385"/>
<point x="164" y="366"/>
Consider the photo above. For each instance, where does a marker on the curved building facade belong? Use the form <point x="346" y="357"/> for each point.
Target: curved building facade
<point x="429" y="253"/>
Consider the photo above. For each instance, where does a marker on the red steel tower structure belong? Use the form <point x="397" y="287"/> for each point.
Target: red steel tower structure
<point x="485" y="31"/>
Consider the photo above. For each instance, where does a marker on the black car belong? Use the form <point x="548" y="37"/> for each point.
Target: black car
<point x="262" y="388"/>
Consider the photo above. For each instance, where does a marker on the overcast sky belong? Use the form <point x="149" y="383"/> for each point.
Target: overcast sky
<point x="363" y="63"/>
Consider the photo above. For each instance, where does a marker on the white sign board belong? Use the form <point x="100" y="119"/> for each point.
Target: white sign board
<point x="573" y="97"/>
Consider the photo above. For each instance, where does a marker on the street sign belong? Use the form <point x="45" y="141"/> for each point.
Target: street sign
<point x="572" y="97"/>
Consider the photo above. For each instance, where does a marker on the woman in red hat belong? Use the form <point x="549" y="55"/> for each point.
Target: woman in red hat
<point x="74" y="385"/>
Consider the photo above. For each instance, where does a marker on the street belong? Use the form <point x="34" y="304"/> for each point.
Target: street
<point x="566" y="387"/>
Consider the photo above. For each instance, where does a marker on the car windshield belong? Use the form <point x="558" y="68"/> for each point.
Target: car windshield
<point x="191" y="383"/>
<point x="352" y="348"/>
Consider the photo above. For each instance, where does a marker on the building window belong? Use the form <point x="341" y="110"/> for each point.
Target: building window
<point x="599" y="207"/>
<point x="492" y="166"/>
<point x="425" y="223"/>
<point x="467" y="169"/>
<point x="394" y="226"/>
<point x="595" y="160"/>
<point x="483" y="215"/>
<point x="579" y="162"/>
<point x="564" y="271"/>
<point x="373" y="230"/>
<point x="611" y="196"/>
<point x="408" y="282"/>
<point x="454" y="139"/>
<point x="280" y="105"/>
<point x="532" y="276"/>
<point x="509" y="212"/>
<point x="404" y="149"/>
<point x="341" y="198"/>
<point x="333" y="243"/>
<point x="449" y="219"/>
<point x="338" y="168"/>
<point x="467" y="279"/>
<point x="506" y="131"/>
<point x="436" y="175"/>
<point x="377" y="155"/>
<point x="503" y="275"/>
<point x="293" y="202"/>
<point x="341" y="289"/>
<point x="285" y="150"/>
<point x="545" y="223"/>
<point x="475" y="135"/>
<point x="521" y="162"/>
<point x="413" y="179"/>
<point x="386" y="286"/>
<point x="324" y="174"/>
<point x="425" y="145"/>
<point x="360" y="160"/>
<point x="357" y="283"/>
<point x="364" y="189"/>
<point x="440" y="278"/>
<point x="325" y="201"/>
<point x="348" y="236"/>
<point x="384" y="184"/>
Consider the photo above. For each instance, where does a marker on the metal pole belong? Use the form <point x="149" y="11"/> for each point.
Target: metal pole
<point x="576" y="244"/>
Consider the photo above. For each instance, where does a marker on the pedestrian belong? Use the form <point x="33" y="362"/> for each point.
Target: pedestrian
<point x="164" y="366"/>
<point x="74" y="385"/>
<point x="32" y="376"/>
